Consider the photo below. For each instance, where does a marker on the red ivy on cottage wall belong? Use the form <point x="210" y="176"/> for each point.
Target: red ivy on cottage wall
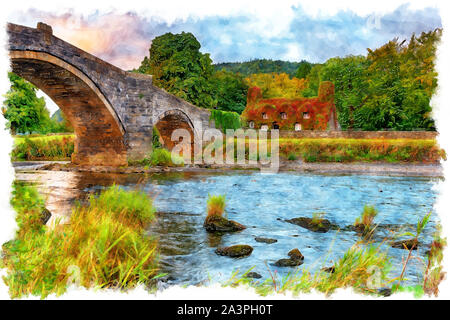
<point x="317" y="113"/>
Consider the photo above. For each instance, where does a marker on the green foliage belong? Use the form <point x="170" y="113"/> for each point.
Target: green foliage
<point x="24" y="111"/>
<point x="155" y="138"/>
<point x="178" y="66"/>
<point x="226" y="120"/>
<point x="54" y="147"/>
<point x="163" y="157"/>
<point x="231" y="91"/>
<point x="104" y="246"/>
<point x="391" y="88"/>
<point x="304" y="69"/>
<point x="215" y="205"/>
<point x="260" y="66"/>
<point x="291" y="156"/>
<point x="60" y="121"/>
<point x="159" y="157"/>
<point x="314" y="80"/>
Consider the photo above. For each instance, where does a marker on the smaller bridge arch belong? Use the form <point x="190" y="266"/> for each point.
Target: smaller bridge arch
<point x="169" y="120"/>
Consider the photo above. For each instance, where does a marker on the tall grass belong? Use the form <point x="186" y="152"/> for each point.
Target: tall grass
<point x="53" y="147"/>
<point x="367" y="216"/>
<point x="159" y="157"/>
<point x="215" y="205"/>
<point x="103" y="246"/>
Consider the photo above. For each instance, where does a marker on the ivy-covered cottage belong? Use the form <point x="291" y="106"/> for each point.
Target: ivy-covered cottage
<point x="316" y="113"/>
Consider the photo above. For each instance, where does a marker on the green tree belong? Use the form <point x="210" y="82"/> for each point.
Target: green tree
<point x="313" y="78"/>
<point x="23" y="110"/>
<point x="303" y="69"/>
<point x="391" y="88"/>
<point x="178" y="66"/>
<point x="350" y="78"/>
<point x="231" y="91"/>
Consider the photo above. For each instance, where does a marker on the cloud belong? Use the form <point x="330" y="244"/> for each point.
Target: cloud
<point x="123" y="39"/>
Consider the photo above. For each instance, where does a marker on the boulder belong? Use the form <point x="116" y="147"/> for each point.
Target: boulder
<point x="215" y="223"/>
<point x="265" y="240"/>
<point x="410" y="244"/>
<point x="236" y="251"/>
<point x="295" y="254"/>
<point x="295" y="259"/>
<point x="307" y="223"/>
<point x="288" y="263"/>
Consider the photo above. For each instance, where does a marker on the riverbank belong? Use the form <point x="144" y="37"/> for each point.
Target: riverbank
<point x="370" y="168"/>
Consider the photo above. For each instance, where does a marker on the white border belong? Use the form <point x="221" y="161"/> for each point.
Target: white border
<point x="170" y="10"/>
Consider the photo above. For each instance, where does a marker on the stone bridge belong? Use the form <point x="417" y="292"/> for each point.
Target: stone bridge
<point x="112" y="111"/>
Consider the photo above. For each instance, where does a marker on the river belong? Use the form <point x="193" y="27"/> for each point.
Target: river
<point x="262" y="202"/>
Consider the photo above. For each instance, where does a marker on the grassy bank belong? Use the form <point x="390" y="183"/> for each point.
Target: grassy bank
<point x="103" y="246"/>
<point x="348" y="150"/>
<point x="49" y="147"/>
<point x="60" y="147"/>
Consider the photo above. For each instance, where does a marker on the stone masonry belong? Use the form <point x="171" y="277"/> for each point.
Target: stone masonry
<point x="112" y="111"/>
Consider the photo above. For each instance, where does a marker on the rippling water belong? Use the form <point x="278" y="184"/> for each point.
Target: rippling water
<point x="261" y="202"/>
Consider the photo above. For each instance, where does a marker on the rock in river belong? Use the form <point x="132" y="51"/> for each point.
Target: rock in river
<point x="307" y="223"/>
<point x="295" y="259"/>
<point x="215" y="223"/>
<point x="265" y="240"/>
<point x="295" y="254"/>
<point x="236" y="251"/>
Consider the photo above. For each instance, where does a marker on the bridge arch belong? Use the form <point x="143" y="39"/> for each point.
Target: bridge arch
<point x="99" y="131"/>
<point x="168" y="121"/>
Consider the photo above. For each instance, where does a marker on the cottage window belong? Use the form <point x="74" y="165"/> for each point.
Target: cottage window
<point x="265" y="116"/>
<point x="298" y="127"/>
<point x="264" y="127"/>
<point x="306" y="115"/>
<point x="283" y="115"/>
<point x="251" y="124"/>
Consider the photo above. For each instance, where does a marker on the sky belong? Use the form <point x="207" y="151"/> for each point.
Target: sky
<point x="289" y="30"/>
<point x="292" y="33"/>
